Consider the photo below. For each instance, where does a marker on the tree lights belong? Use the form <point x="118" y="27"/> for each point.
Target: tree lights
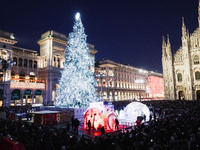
<point x="77" y="83"/>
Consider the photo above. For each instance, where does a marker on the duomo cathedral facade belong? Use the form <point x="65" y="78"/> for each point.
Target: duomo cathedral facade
<point x="181" y="70"/>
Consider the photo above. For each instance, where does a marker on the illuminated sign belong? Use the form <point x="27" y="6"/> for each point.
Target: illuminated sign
<point x="32" y="74"/>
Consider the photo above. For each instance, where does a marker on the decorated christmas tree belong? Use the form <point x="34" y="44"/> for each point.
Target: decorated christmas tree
<point x="77" y="84"/>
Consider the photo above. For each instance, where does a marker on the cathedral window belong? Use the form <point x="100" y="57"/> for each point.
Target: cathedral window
<point x="58" y="62"/>
<point x="196" y="60"/>
<point x="35" y="64"/>
<point x="12" y="73"/>
<point x="197" y="75"/>
<point x="15" y="60"/>
<point x="54" y="61"/>
<point x="20" y="61"/>
<point x="179" y="77"/>
<point x="25" y="62"/>
<point x="30" y="63"/>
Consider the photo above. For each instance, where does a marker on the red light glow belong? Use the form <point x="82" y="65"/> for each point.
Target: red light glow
<point x="99" y="118"/>
<point x="156" y="87"/>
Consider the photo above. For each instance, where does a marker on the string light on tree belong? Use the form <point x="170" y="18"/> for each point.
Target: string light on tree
<point x="77" y="84"/>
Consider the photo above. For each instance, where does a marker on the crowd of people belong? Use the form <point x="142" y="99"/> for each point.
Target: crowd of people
<point x="175" y="126"/>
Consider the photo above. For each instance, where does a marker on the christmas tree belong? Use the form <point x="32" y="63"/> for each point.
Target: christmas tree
<point x="77" y="84"/>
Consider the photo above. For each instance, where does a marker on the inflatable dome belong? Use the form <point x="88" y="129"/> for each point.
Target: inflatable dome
<point x="134" y="110"/>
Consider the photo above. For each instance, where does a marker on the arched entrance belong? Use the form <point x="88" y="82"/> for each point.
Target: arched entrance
<point x="38" y="99"/>
<point x="181" y="95"/>
<point x="198" y="95"/>
<point x="27" y="98"/>
<point x="16" y="97"/>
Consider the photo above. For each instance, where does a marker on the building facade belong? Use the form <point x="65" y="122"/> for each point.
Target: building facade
<point x="156" y="85"/>
<point x="118" y="82"/>
<point x="27" y="77"/>
<point x="181" y="71"/>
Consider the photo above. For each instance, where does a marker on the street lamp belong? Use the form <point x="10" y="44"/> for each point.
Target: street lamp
<point x="101" y="75"/>
<point x="4" y="64"/>
<point x="139" y="81"/>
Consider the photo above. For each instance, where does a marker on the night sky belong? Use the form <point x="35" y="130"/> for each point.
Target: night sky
<point x="126" y="31"/>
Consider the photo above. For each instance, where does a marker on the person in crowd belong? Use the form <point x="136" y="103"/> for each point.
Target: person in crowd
<point x="89" y="126"/>
<point x="116" y="124"/>
<point x="67" y="127"/>
<point x="144" y="117"/>
<point x="7" y="144"/>
<point x="72" y="120"/>
<point x="76" y="124"/>
<point x="138" y="121"/>
<point x="20" y="118"/>
<point x="150" y="117"/>
<point x="102" y="130"/>
<point x="176" y="128"/>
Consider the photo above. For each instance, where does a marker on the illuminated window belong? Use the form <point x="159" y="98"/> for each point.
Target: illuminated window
<point x="196" y="60"/>
<point x="197" y="75"/>
<point x="179" y="77"/>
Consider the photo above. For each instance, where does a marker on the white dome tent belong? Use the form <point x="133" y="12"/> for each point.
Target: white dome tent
<point x="132" y="111"/>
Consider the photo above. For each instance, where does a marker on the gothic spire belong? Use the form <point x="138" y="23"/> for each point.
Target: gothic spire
<point x="199" y="14"/>
<point x="168" y="48"/>
<point x="163" y="42"/>
<point x="168" y="42"/>
<point x="184" y="32"/>
<point x="164" y="47"/>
